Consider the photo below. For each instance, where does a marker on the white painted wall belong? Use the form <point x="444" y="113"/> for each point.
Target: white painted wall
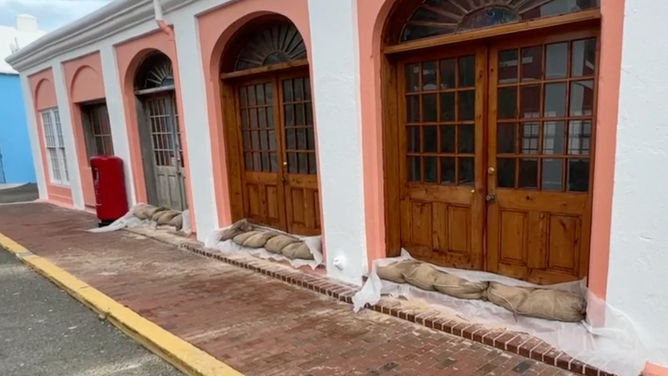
<point x="195" y="117"/>
<point x="119" y="132"/>
<point x="34" y="137"/>
<point x="68" y="135"/>
<point x="637" y="279"/>
<point x="335" y="76"/>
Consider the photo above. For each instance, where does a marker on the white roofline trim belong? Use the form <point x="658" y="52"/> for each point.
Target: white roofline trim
<point x="104" y="22"/>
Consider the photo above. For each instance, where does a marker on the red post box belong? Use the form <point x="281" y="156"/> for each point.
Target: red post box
<point x="109" y="180"/>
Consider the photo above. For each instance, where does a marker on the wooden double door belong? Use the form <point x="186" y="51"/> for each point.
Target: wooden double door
<point x="278" y="158"/>
<point x="497" y="144"/>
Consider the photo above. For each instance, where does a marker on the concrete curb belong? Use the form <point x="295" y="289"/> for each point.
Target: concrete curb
<point x="174" y="350"/>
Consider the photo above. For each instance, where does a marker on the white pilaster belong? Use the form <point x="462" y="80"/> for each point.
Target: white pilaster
<point x="68" y="135"/>
<point x="119" y="132"/>
<point x="195" y="120"/>
<point x="335" y="81"/>
<point x="34" y="136"/>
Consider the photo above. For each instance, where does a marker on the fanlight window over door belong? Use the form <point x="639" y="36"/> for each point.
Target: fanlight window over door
<point x="280" y="43"/>
<point x="442" y="17"/>
<point x="155" y="72"/>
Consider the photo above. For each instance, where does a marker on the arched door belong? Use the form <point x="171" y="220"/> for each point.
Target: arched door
<point x="494" y="138"/>
<point x="274" y="128"/>
<point x="160" y="134"/>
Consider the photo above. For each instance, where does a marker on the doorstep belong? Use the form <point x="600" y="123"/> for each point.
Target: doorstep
<point x="247" y="313"/>
<point x="514" y="342"/>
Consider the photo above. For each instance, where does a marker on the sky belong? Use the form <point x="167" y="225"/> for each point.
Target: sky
<point x="51" y="14"/>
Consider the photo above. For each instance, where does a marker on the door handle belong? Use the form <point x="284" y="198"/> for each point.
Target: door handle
<point x="490" y="198"/>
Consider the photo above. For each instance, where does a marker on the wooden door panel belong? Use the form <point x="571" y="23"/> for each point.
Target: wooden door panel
<point x="541" y="115"/>
<point x="300" y="168"/>
<point x="263" y="203"/>
<point x="259" y="141"/>
<point x="302" y="204"/>
<point x="441" y="166"/>
<point x="440" y="232"/>
<point x="161" y="119"/>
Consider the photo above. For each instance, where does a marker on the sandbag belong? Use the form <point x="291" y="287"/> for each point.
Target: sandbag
<point x="140" y="211"/>
<point x="459" y="287"/>
<point x="395" y="272"/>
<point x="278" y="242"/>
<point x="241" y="238"/>
<point x="297" y="250"/>
<point x="165" y="217"/>
<point x="554" y="305"/>
<point x="507" y="297"/>
<point x="177" y="222"/>
<point x="155" y="213"/>
<point x="258" y="240"/>
<point x="423" y="276"/>
<point x="236" y="229"/>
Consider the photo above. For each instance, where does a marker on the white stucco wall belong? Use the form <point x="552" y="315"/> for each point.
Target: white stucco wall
<point x="195" y="104"/>
<point x="60" y="87"/>
<point x="119" y="132"/>
<point x="34" y="137"/>
<point x="637" y="279"/>
<point x="335" y="76"/>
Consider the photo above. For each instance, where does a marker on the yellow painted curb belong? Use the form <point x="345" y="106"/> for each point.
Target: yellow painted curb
<point x="179" y="353"/>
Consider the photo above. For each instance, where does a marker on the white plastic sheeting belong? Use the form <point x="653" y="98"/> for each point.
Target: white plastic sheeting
<point x="314" y="244"/>
<point x="129" y="220"/>
<point x="613" y="347"/>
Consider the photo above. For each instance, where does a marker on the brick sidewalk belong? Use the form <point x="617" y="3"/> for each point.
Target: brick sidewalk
<point x="256" y="324"/>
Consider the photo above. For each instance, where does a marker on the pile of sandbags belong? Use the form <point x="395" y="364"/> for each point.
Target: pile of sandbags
<point x="160" y="215"/>
<point x="245" y="234"/>
<point x="526" y="301"/>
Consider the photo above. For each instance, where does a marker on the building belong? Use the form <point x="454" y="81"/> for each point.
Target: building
<point x="16" y="164"/>
<point x="503" y="137"/>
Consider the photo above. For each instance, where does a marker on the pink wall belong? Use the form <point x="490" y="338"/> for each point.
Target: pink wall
<point x="216" y="30"/>
<point x="83" y="77"/>
<point x="371" y="18"/>
<point x="44" y="97"/>
<point x="129" y="56"/>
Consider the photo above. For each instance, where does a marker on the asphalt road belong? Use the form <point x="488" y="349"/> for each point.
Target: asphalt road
<point x="45" y="332"/>
<point x="27" y="192"/>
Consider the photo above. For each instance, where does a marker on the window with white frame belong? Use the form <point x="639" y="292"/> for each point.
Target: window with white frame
<point x="55" y="146"/>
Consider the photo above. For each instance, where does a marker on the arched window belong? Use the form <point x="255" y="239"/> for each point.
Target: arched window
<point x="155" y="72"/>
<point x="442" y="17"/>
<point x="265" y="41"/>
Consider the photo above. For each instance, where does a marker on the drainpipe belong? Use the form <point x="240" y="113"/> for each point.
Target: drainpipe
<point x="167" y="29"/>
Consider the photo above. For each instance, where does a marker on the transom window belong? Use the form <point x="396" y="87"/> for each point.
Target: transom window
<point x="545" y="116"/>
<point x="55" y="146"/>
<point x="155" y="72"/>
<point x="442" y="17"/>
<point x="272" y="44"/>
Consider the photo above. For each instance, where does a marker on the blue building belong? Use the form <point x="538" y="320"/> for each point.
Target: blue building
<point x="16" y="163"/>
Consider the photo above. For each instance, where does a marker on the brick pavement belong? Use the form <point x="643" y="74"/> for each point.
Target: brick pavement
<point x="258" y="325"/>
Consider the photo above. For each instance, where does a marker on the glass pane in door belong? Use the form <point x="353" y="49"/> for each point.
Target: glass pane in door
<point x="298" y="124"/>
<point x="544" y="119"/>
<point x="440" y="98"/>
<point x="257" y="127"/>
